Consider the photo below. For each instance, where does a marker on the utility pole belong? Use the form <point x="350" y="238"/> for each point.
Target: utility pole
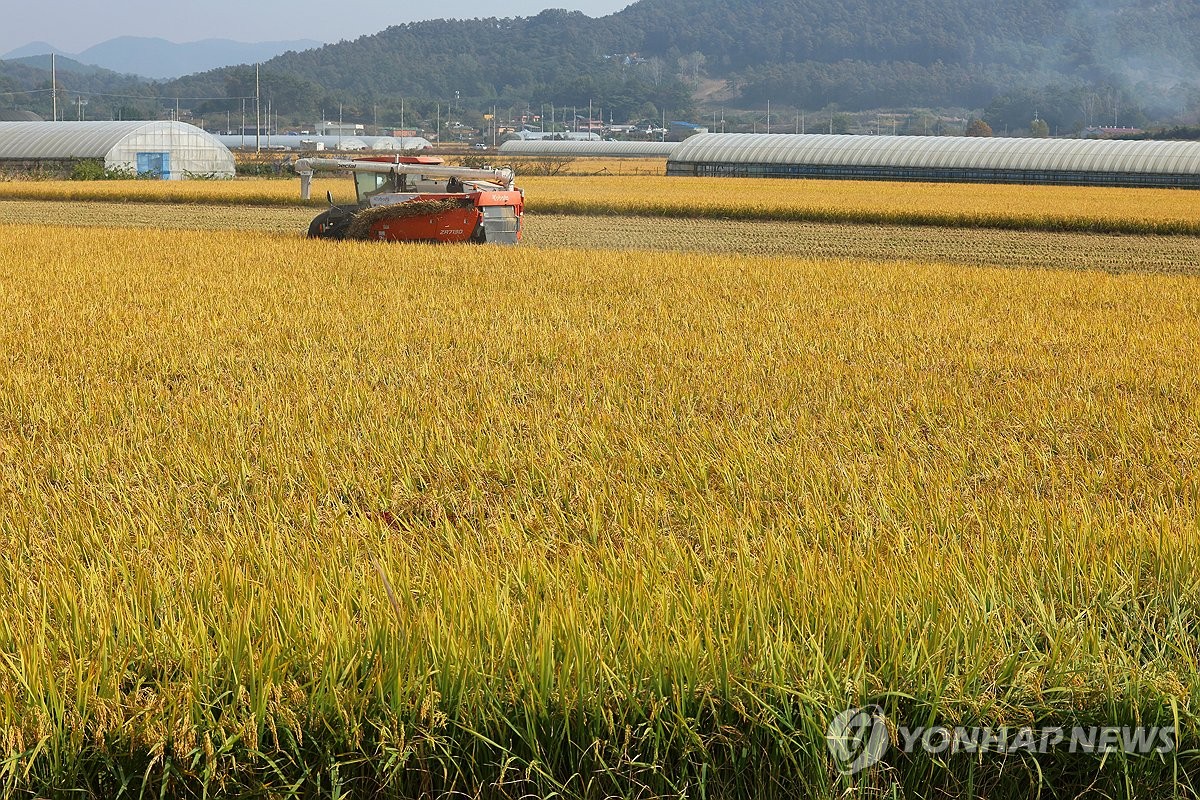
<point x="257" y="112"/>
<point x="243" y="123"/>
<point x="54" y="86"/>
<point x="768" y="116"/>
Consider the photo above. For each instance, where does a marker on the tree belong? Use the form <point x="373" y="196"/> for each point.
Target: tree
<point x="690" y="66"/>
<point x="1038" y="129"/>
<point x="978" y="127"/>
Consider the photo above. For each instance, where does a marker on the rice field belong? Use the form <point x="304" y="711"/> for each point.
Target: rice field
<point x="1052" y="208"/>
<point x="981" y="247"/>
<point x="1046" y="208"/>
<point x="633" y="510"/>
<point x="298" y="518"/>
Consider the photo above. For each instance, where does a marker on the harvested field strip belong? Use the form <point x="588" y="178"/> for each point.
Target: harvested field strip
<point x="1022" y="249"/>
<point x="1040" y="208"/>
<point x="1044" y="208"/>
<point x="180" y="216"/>
<point x="648" y="521"/>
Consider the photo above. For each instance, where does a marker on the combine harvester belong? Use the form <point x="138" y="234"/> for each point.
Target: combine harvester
<point x="417" y="199"/>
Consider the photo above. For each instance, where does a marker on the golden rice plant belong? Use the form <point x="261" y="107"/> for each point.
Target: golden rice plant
<point x="1053" y="208"/>
<point x="978" y="246"/>
<point x="1048" y="208"/>
<point x="291" y="517"/>
<point x="249" y="191"/>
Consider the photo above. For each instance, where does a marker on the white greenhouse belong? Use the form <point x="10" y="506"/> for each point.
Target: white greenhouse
<point x="170" y="150"/>
<point x="308" y="142"/>
<point x="1088" y="162"/>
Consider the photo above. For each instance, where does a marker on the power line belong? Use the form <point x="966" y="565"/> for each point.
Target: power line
<point x="171" y="98"/>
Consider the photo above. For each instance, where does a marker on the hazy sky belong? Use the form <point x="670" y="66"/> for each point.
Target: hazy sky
<point x="76" y="25"/>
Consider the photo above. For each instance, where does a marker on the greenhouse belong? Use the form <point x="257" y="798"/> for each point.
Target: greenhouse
<point x="1091" y="162"/>
<point x="581" y="149"/>
<point x="169" y="150"/>
<point x="309" y="142"/>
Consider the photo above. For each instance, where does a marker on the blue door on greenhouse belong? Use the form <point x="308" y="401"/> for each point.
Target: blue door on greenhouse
<point x="154" y="164"/>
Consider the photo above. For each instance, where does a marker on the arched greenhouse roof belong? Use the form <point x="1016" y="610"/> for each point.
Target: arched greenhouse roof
<point x="1101" y="161"/>
<point x="118" y="143"/>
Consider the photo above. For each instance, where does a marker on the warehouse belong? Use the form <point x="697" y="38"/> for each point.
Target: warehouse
<point x="170" y="150"/>
<point x="1086" y="162"/>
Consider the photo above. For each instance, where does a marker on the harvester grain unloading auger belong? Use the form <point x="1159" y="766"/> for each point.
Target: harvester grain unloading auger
<point x="418" y="199"/>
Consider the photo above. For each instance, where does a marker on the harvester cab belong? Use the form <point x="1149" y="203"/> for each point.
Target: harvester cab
<point x="418" y="199"/>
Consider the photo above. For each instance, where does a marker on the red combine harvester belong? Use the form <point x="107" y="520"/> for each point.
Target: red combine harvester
<point x="417" y="199"/>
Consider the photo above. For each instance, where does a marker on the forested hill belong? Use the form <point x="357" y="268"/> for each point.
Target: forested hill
<point x="808" y="53"/>
<point x="869" y="53"/>
<point x="656" y="55"/>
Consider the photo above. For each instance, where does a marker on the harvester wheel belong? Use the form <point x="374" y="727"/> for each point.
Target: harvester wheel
<point x="330" y="224"/>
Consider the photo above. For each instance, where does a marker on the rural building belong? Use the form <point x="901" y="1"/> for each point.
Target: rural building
<point x="558" y="136"/>
<point x="172" y="150"/>
<point x="1086" y="162"/>
<point x="309" y="142"/>
<point x="587" y="149"/>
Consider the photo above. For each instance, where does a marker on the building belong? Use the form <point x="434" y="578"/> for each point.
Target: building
<point x="531" y="136"/>
<point x="310" y="142"/>
<point x="170" y="150"/>
<point x="677" y="131"/>
<point x="1087" y="162"/>
<point x="587" y="149"/>
<point x="326" y="128"/>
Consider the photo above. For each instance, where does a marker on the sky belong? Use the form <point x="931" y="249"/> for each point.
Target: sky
<point x="75" y="25"/>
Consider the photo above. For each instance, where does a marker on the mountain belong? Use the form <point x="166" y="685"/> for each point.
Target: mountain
<point x="84" y="90"/>
<point x="158" y="58"/>
<point x="62" y="63"/>
<point x="1075" y="63"/>
<point x="161" y="59"/>
<point x="806" y="54"/>
<point x="32" y="49"/>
